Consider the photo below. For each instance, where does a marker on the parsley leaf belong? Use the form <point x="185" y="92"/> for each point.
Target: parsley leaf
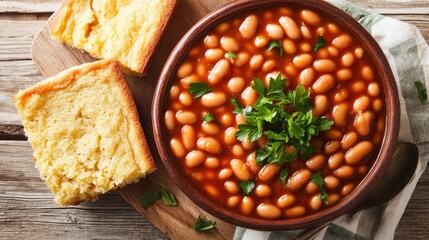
<point x="276" y="44"/>
<point x="167" y="197"/>
<point x="421" y="91"/>
<point x="324" y="124"/>
<point x="276" y="86"/>
<point x="201" y="225"/>
<point x="149" y="198"/>
<point x="231" y="55"/>
<point x="208" y="117"/>
<point x="321" y="42"/>
<point x="272" y="116"/>
<point x="198" y="89"/>
<point x="283" y="175"/>
<point x="318" y="180"/>
<point x="238" y="107"/>
<point x="247" y="186"/>
<point x="259" y="86"/>
<point x="260" y="155"/>
<point x="247" y="131"/>
<point x="300" y="99"/>
<point x="281" y="136"/>
<point x="307" y="151"/>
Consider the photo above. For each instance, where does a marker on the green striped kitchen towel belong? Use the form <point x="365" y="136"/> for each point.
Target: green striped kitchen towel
<point x="408" y="56"/>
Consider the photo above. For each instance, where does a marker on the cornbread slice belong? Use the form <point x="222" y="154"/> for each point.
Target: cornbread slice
<point x="84" y="128"/>
<point x="125" y="30"/>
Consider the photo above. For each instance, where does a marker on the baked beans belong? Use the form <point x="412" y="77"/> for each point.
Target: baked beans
<point x="343" y="87"/>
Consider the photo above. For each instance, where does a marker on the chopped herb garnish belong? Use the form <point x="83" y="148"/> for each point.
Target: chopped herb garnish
<point x="272" y="116"/>
<point x="421" y="91"/>
<point x="202" y="225"/>
<point x="198" y="89"/>
<point x="248" y="131"/>
<point x="238" y="107"/>
<point x="318" y="180"/>
<point x="231" y="55"/>
<point x="321" y="42"/>
<point x="247" y="186"/>
<point x="276" y="44"/>
<point x="167" y="197"/>
<point x="208" y="117"/>
<point x="150" y="197"/>
<point x="283" y="175"/>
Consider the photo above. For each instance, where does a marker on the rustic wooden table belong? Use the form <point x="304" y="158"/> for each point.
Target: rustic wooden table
<point x="26" y="206"/>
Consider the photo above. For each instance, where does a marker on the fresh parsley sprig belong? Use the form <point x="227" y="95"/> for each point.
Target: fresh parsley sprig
<point x="274" y="152"/>
<point x="286" y="119"/>
<point x="198" y="89"/>
<point x="283" y="175"/>
<point x="203" y="225"/>
<point x="236" y="103"/>
<point x="321" y="42"/>
<point x="318" y="180"/>
<point x="421" y="91"/>
<point x="247" y="187"/>
<point x="276" y="44"/>
<point x="231" y="55"/>
<point x="209" y="117"/>
<point x="150" y="197"/>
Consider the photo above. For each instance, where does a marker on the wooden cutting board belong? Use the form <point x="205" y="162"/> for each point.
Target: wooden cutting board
<point x="176" y="222"/>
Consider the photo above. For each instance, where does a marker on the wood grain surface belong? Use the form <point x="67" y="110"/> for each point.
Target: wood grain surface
<point x="177" y="225"/>
<point x="26" y="205"/>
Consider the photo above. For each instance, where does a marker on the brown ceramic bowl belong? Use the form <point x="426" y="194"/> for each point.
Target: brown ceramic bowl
<point x="239" y="7"/>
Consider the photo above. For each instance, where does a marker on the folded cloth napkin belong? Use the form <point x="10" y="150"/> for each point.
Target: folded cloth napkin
<point x="408" y="56"/>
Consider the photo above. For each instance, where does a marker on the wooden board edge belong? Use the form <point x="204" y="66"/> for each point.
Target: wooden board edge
<point x="225" y="230"/>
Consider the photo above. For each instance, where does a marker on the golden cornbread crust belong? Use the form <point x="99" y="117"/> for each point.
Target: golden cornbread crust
<point x="125" y="30"/>
<point x="84" y="128"/>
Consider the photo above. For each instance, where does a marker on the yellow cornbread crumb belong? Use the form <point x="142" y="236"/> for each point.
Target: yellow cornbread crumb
<point x="84" y="128"/>
<point x="125" y="30"/>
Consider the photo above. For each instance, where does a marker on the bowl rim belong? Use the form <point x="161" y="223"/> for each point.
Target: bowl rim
<point x="229" y="11"/>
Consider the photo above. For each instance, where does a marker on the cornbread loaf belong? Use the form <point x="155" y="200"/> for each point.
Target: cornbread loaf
<point x="125" y="30"/>
<point x="84" y="128"/>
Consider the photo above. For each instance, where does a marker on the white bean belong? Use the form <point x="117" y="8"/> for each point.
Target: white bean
<point x="339" y="114"/>
<point x="209" y="144"/>
<point x="298" y="180"/>
<point x="310" y="17"/>
<point x="321" y="105"/>
<point x="188" y="137"/>
<point x="211" y="41"/>
<point x="357" y="153"/>
<point x="324" y="83"/>
<point x="229" y="44"/>
<point x="307" y="76"/>
<point x="363" y="123"/>
<point x="248" y="27"/>
<point x="214" y="54"/>
<point x="186" y="117"/>
<point x="342" y="41"/>
<point x="268" y="211"/>
<point x="194" y="158"/>
<point x="290" y="27"/>
<point x="213" y="99"/>
<point x="361" y="104"/>
<point x="219" y="71"/>
<point x="249" y="96"/>
<point x="241" y="170"/>
<point x="170" y="120"/>
<point x="274" y="31"/>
